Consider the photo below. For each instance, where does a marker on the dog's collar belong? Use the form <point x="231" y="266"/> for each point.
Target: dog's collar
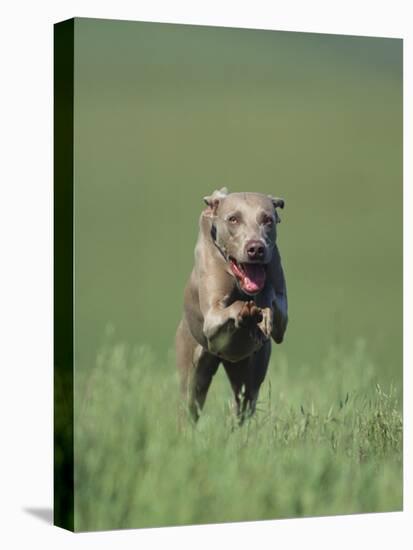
<point x="214" y="240"/>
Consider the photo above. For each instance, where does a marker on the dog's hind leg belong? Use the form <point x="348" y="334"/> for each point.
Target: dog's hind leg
<point x="205" y="365"/>
<point x="246" y="377"/>
<point x="196" y="367"/>
<point x="185" y="346"/>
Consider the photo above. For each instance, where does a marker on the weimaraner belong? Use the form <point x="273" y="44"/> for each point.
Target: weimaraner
<point x="235" y="299"/>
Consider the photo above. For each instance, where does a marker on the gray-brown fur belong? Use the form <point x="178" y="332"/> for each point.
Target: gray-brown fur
<point x="222" y="322"/>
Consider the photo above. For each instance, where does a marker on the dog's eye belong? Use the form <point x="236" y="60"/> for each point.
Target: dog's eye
<point x="233" y="219"/>
<point x="267" y="220"/>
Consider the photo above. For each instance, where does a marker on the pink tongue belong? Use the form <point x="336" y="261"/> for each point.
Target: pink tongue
<point x="254" y="277"/>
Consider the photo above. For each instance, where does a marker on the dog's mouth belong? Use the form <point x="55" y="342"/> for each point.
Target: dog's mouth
<point x="250" y="277"/>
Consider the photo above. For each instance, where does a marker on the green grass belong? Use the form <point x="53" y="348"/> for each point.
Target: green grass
<point x="324" y="441"/>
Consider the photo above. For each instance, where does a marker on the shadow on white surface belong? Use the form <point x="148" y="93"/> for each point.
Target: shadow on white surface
<point x="45" y="514"/>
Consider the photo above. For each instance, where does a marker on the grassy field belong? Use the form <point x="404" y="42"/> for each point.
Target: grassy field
<point x="321" y="443"/>
<point x="165" y="114"/>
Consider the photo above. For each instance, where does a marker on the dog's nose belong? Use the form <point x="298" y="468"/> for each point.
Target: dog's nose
<point x="255" y="250"/>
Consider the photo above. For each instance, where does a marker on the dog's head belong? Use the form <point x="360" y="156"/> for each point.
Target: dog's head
<point x="244" y="229"/>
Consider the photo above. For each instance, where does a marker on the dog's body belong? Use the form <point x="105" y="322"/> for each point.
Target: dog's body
<point x="235" y="299"/>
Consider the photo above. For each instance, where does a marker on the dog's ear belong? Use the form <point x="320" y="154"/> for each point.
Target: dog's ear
<point x="277" y="203"/>
<point x="212" y="201"/>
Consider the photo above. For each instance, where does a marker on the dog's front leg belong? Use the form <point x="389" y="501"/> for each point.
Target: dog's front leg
<point x="280" y="317"/>
<point x="274" y="312"/>
<point x="232" y="332"/>
<point x="278" y="299"/>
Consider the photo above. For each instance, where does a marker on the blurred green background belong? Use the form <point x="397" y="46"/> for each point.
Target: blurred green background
<point x="165" y="114"/>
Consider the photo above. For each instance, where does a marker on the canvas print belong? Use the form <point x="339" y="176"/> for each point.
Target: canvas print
<point x="228" y="274"/>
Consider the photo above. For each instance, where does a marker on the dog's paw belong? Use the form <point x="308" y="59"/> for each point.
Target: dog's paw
<point x="249" y="315"/>
<point x="267" y="322"/>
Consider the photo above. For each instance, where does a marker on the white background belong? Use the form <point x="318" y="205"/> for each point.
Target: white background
<point x="26" y="263"/>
